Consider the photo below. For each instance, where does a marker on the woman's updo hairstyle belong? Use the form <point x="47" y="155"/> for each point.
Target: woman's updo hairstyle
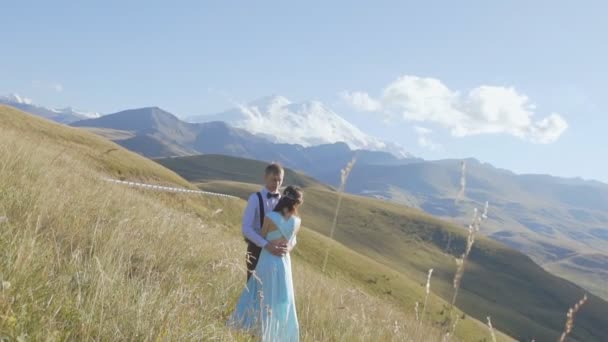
<point x="292" y="196"/>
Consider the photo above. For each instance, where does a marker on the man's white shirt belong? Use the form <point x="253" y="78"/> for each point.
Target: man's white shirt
<point x="251" y="218"/>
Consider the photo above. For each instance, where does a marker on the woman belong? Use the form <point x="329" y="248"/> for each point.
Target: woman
<point x="267" y="305"/>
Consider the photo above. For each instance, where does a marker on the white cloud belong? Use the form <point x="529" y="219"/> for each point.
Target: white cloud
<point x="549" y="129"/>
<point x="58" y="87"/>
<point x="424" y="140"/>
<point x="361" y="101"/>
<point x="422" y="130"/>
<point x="482" y="110"/>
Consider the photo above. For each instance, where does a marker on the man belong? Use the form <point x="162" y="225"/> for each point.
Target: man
<point x="258" y="205"/>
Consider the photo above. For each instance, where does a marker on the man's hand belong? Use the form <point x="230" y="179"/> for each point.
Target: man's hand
<point x="278" y="248"/>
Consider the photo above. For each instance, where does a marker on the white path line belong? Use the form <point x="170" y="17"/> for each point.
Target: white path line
<point x="166" y="188"/>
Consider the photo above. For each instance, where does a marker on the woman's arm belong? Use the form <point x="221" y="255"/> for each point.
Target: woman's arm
<point x="291" y="245"/>
<point x="294" y="241"/>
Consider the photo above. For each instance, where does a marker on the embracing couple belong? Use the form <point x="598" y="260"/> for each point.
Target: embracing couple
<point x="266" y="307"/>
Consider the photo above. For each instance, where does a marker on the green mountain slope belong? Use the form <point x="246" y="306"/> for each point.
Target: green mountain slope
<point x="212" y="167"/>
<point x="550" y="219"/>
<point x="522" y="298"/>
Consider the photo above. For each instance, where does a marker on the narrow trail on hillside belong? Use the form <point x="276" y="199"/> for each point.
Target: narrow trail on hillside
<point x="166" y="188"/>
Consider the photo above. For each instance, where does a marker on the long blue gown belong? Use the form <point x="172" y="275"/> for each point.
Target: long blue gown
<point x="267" y="306"/>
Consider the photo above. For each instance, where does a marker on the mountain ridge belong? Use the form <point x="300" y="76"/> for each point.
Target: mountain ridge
<point x="65" y="115"/>
<point x="307" y="123"/>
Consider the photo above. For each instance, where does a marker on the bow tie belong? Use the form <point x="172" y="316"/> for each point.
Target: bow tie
<point x="271" y="195"/>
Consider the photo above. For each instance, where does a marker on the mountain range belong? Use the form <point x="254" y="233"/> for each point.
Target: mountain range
<point x="62" y="115"/>
<point x="380" y="249"/>
<point x="310" y="123"/>
<point x="156" y="133"/>
<point x="561" y="223"/>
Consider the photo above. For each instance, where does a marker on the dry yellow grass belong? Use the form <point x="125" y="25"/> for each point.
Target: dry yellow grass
<point x="82" y="259"/>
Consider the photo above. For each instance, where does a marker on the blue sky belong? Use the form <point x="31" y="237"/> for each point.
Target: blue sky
<point x="196" y="57"/>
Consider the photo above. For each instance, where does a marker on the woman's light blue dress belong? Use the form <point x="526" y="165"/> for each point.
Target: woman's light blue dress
<point x="267" y="306"/>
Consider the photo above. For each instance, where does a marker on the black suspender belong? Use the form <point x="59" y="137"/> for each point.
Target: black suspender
<point x="262" y="214"/>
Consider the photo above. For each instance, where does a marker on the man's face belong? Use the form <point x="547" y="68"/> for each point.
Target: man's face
<point x="274" y="181"/>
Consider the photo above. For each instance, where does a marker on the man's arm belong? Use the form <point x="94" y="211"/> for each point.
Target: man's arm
<point x="248" y="222"/>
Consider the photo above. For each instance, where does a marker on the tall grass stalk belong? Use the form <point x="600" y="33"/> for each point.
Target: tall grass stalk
<point x="473" y="229"/>
<point x="343" y="177"/>
<point x="570" y="318"/>
<point x="426" y="296"/>
<point x="463" y="181"/>
<point x="492" y="334"/>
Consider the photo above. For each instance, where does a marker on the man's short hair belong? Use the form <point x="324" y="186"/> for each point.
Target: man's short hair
<point x="274" y="169"/>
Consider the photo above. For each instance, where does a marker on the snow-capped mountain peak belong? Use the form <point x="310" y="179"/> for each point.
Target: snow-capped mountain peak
<point x="308" y="123"/>
<point x="269" y="103"/>
<point x="63" y="115"/>
<point x="16" y="98"/>
<point x="86" y="114"/>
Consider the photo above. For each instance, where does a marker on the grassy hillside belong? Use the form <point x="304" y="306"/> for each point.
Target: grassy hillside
<point x="550" y="219"/>
<point x="96" y="152"/>
<point x="593" y="266"/>
<point x="83" y="259"/>
<point x="499" y="282"/>
<point x="213" y="167"/>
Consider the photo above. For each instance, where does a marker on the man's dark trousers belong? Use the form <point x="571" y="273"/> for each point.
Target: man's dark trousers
<point x="253" y="254"/>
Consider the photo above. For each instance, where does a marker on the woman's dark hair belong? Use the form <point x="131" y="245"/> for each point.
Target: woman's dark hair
<point x="292" y="196"/>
